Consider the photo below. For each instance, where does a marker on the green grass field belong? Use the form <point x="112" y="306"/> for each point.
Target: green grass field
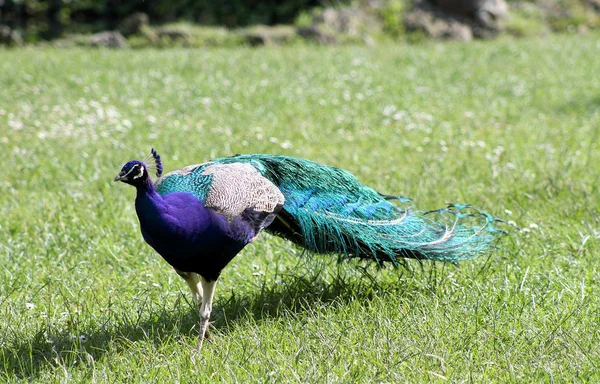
<point x="509" y="126"/>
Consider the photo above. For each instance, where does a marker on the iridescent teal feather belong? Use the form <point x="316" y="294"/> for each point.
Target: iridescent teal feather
<point x="181" y="181"/>
<point x="328" y="210"/>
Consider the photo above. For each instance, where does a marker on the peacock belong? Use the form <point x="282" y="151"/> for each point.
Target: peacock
<point x="198" y="218"/>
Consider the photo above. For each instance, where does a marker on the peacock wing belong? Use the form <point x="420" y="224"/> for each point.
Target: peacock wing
<point x="238" y="187"/>
<point x="236" y="191"/>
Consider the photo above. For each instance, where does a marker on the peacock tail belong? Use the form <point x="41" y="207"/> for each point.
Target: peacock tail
<point x="327" y="210"/>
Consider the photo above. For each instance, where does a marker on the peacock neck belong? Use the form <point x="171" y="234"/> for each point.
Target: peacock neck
<point x="147" y="199"/>
<point x="145" y="186"/>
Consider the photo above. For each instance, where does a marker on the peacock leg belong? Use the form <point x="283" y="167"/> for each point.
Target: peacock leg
<point x="192" y="280"/>
<point x="208" y="287"/>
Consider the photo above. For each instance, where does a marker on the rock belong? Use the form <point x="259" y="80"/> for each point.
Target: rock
<point x="134" y="24"/>
<point x="317" y="33"/>
<point x="437" y="24"/>
<point x="263" y="35"/>
<point x="594" y="4"/>
<point x="485" y="13"/>
<point x="373" y="4"/>
<point x="10" y="37"/>
<point x="108" y="39"/>
<point x="330" y="25"/>
<point x="172" y="34"/>
<point x="458" y="31"/>
<point x="349" y="20"/>
<point x="254" y="39"/>
<point x="458" y="19"/>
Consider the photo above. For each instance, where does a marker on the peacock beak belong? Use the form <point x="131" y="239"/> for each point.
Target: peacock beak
<point x="120" y="177"/>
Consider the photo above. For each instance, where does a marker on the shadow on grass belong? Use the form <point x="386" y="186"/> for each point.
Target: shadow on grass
<point x="286" y="294"/>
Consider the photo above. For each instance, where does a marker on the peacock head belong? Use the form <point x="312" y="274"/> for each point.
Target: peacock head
<point x="135" y="172"/>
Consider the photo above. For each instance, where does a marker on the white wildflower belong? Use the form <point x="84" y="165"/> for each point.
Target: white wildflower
<point x="400" y="115"/>
<point x="389" y="110"/>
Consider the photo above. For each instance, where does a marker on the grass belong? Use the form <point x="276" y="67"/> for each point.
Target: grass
<point x="509" y="126"/>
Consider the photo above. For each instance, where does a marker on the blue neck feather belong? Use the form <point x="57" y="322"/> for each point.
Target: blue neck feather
<point x="150" y="206"/>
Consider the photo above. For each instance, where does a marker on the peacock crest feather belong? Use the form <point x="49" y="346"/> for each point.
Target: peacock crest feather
<point x="153" y="161"/>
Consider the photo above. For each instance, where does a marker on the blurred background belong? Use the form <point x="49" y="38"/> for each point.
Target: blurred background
<point x="386" y="89"/>
<point x="199" y="23"/>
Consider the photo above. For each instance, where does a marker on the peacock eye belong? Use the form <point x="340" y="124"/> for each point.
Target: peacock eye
<point x="139" y="171"/>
